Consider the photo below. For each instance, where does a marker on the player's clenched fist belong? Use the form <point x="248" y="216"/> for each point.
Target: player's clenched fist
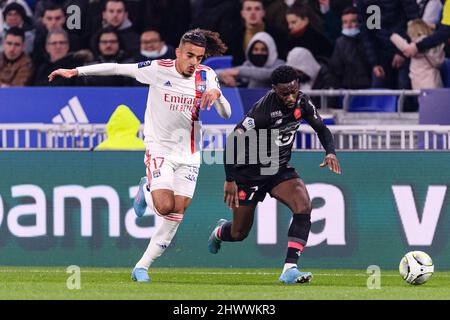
<point x="208" y="99"/>
<point x="65" y="73"/>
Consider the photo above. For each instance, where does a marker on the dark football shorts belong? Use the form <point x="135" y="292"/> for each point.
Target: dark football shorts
<point x="252" y="186"/>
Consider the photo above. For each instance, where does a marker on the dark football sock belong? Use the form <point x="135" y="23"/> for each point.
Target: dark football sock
<point x="297" y="236"/>
<point x="224" y="232"/>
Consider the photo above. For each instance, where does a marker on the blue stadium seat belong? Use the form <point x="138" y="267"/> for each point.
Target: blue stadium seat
<point x="373" y="104"/>
<point x="221" y="62"/>
<point x="445" y="73"/>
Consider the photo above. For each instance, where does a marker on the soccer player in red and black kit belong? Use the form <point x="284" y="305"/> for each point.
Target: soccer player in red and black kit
<point x="275" y="120"/>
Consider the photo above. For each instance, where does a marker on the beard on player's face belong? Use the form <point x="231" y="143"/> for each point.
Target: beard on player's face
<point x="189" y="57"/>
<point x="287" y="93"/>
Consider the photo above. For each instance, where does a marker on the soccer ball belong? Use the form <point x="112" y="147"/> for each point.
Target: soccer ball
<point x="416" y="267"/>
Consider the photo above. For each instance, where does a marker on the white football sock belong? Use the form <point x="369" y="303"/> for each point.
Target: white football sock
<point x="161" y="240"/>
<point x="288" y="266"/>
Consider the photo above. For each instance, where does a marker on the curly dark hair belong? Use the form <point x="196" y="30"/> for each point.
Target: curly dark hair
<point x="283" y="74"/>
<point x="209" y="40"/>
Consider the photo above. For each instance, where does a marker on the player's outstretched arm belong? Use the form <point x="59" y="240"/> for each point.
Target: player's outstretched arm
<point x="102" y="69"/>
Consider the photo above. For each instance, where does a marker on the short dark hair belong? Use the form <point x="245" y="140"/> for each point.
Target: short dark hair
<point x="283" y="74"/>
<point x="123" y="2"/>
<point x="95" y="44"/>
<point x="14" y="6"/>
<point x="349" y="10"/>
<point x="305" y="11"/>
<point x="17" y="32"/>
<point x="52" y="7"/>
<point x="209" y="40"/>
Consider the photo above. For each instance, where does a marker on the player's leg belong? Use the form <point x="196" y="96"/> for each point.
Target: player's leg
<point x="231" y="231"/>
<point x="163" y="236"/>
<point x="161" y="199"/>
<point x="156" y="189"/>
<point x="243" y="216"/>
<point x="293" y="194"/>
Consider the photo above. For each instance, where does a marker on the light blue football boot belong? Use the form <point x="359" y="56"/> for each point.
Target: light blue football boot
<point x="140" y="275"/>
<point x="139" y="203"/>
<point x="293" y="275"/>
<point x="213" y="241"/>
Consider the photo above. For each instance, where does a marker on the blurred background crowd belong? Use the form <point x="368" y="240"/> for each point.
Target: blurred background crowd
<point x="330" y="42"/>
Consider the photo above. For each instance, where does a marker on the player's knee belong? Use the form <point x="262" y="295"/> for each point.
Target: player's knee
<point x="164" y="208"/>
<point x="303" y="207"/>
<point x="239" y="235"/>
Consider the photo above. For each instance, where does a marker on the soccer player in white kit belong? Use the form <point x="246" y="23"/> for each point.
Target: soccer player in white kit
<point x="179" y="89"/>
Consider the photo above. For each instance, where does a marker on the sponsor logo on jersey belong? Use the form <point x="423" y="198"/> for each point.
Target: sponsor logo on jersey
<point x="276" y="114"/>
<point x="279" y="121"/>
<point x="248" y="123"/>
<point x="144" y="64"/>
<point x="168" y="84"/>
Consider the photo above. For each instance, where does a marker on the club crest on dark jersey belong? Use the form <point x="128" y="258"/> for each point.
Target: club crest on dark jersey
<point x="242" y="195"/>
<point x="297" y="113"/>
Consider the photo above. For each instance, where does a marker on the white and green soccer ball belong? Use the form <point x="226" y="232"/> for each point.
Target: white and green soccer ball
<point x="416" y="267"/>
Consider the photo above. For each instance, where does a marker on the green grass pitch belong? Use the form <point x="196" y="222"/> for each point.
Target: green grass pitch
<point x="206" y="284"/>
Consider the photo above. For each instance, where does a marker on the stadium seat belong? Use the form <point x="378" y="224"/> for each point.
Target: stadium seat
<point x="373" y="104"/>
<point x="222" y="62"/>
<point x="445" y="73"/>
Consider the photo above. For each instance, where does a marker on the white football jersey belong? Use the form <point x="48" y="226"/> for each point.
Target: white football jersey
<point x="172" y="127"/>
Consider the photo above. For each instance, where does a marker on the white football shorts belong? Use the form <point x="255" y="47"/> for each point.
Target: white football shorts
<point x="164" y="173"/>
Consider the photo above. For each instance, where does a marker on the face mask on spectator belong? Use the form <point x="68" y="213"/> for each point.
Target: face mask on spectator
<point x="150" y="54"/>
<point x="258" y="60"/>
<point x="353" y="32"/>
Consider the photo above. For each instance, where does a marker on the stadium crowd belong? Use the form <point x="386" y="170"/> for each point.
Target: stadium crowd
<point x="329" y="42"/>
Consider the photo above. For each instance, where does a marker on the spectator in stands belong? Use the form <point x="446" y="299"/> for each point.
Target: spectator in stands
<point x="58" y="57"/>
<point x="14" y="16"/>
<point x="424" y="69"/>
<point x="312" y="74"/>
<point x="348" y="62"/>
<point x="84" y="32"/>
<point x="23" y="3"/>
<point x="262" y="59"/>
<point x="304" y="26"/>
<point x="109" y="49"/>
<point x="440" y="35"/>
<point x="115" y="15"/>
<point x="276" y="14"/>
<point x="152" y="47"/>
<point x="390" y="68"/>
<point x="15" y="65"/>
<point x="222" y="16"/>
<point x="252" y="14"/>
<point x="53" y="18"/>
